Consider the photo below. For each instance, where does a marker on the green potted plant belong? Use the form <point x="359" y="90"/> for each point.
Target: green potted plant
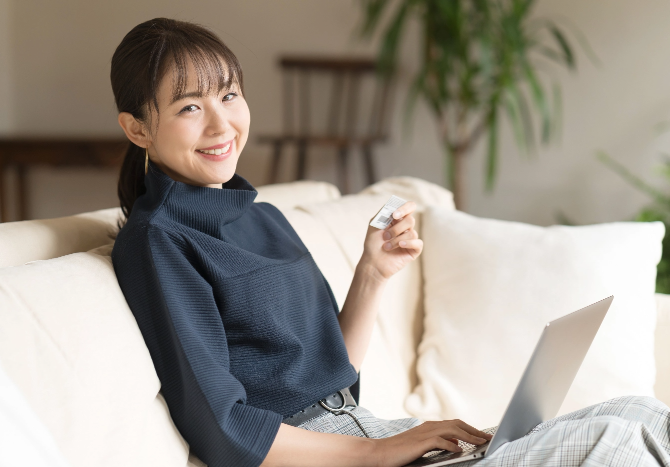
<point x="479" y="62"/>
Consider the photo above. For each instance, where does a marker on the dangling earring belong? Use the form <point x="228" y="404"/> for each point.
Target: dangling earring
<point x="146" y="161"/>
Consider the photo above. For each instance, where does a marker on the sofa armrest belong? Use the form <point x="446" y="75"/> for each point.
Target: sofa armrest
<point x="662" y="348"/>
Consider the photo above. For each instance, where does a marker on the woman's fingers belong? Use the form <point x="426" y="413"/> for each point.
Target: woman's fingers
<point x="404" y="210"/>
<point x="437" y="442"/>
<point x="404" y="225"/>
<point x="409" y="240"/>
<point x="472" y="430"/>
<point x="395" y="229"/>
<point x="467" y="437"/>
<point x="449" y="429"/>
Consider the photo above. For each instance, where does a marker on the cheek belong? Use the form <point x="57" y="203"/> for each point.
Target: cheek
<point x="241" y="119"/>
<point x="181" y="133"/>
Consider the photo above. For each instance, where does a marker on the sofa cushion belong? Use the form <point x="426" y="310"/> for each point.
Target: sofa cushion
<point x="388" y="373"/>
<point x="69" y="341"/>
<point x="289" y="195"/>
<point x="662" y="345"/>
<point x="491" y="286"/>
<point x="25" y="440"/>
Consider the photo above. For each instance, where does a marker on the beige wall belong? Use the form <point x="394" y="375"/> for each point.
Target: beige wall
<point x="6" y="105"/>
<point x="58" y="54"/>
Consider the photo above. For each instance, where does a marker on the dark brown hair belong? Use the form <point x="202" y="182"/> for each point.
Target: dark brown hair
<point x="140" y="62"/>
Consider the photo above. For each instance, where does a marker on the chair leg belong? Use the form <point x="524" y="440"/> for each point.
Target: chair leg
<point x="273" y="174"/>
<point x="22" y="192"/>
<point x="368" y="160"/>
<point x="343" y="172"/>
<point x="302" y="160"/>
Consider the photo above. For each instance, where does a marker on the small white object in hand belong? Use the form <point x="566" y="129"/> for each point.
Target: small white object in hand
<point x="385" y="214"/>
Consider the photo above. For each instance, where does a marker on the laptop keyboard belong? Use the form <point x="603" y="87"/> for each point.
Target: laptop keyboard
<point x="467" y="447"/>
<point x="434" y="457"/>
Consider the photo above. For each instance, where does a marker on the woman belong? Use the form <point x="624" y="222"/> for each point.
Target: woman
<point x="242" y="327"/>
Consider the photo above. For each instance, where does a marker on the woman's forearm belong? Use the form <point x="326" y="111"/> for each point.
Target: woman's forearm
<point x="296" y="447"/>
<point x="359" y="312"/>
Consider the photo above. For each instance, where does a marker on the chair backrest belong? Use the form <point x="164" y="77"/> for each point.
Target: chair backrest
<point x="348" y="79"/>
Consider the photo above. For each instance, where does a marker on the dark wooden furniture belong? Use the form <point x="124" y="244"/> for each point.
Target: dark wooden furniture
<point x="342" y="129"/>
<point x="25" y="152"/>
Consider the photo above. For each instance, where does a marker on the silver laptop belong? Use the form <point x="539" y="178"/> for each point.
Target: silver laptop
<point x="545" y="382"/>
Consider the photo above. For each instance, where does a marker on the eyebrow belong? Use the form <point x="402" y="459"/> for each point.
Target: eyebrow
<point x="179" y="97"/>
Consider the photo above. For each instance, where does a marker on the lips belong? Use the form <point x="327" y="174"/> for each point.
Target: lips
<point x="217" y="150"/>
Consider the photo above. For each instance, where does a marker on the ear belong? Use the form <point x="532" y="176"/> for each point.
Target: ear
<point x="134" y="130"/>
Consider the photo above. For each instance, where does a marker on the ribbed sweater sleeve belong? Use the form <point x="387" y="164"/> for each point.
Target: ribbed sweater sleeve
<point x="177" y="313"/>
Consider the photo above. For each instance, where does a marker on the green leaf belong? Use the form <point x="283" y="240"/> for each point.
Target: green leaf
<point x="522" y="7"/>
<point x="511" y="106"/>
<point x="583" y="42"/>
<point x="372" y="12"/>
<point x="389" y="48"/>
<point x="569" y="57"/>
<point x="551" y="54"/>
<point x="528" y="132"/>
<point x="410" y="103"/>
<point x="540" y="101"/>
<point x="492" y="150"/>
<point x="634" y="180"/>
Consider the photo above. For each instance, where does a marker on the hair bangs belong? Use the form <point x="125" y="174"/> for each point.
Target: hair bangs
<point x="213" y="73"/>
<point x="216" y="68"/>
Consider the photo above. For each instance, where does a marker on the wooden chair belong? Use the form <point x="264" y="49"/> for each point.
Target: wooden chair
<point x="341" y="132"/>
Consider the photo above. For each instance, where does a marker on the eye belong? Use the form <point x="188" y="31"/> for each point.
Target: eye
<point x="225" y="98"/>
<point x="189" y="108"/>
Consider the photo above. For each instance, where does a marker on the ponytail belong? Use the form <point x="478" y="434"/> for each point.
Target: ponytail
<point x="131" y="180"/>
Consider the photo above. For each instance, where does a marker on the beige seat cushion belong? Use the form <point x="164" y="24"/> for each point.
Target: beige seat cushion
<point x="490" y="288"/>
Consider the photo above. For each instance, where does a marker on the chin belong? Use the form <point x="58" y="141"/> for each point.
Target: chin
<point x="224" y="175"/>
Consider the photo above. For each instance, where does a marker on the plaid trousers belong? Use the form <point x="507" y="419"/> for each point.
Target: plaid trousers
<point x="627" y="431"/>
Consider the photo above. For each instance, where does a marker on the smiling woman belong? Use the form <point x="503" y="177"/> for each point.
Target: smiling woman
<point x="183" y="108"/>
<point x="254" y="357"/>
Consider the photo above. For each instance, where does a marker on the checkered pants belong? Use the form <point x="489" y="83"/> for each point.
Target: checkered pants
<point x="623" y="432"/>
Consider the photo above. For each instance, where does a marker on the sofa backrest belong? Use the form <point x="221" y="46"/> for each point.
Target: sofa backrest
<point x="41" y="239"/>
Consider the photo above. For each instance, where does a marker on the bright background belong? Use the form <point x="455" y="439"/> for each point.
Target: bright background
<point x="54" y="80"/>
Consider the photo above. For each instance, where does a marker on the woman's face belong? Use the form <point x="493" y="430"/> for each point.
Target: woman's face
<point x="198" y="138"/>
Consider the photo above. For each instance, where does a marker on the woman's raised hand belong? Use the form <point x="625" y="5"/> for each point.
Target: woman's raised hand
<point x="388" y="251"/>
<point x="409" y="445"/>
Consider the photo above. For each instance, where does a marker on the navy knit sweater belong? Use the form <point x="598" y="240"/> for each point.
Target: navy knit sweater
<point x="240" y="323"/>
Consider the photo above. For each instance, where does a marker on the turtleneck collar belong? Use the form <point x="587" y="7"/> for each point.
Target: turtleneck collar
<point x="203" y="208"/>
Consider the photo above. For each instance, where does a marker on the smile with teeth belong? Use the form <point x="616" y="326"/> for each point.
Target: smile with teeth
<point x="216" y="152"/>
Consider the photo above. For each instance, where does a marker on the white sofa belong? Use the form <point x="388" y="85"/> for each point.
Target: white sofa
<point x="70" y="344"/>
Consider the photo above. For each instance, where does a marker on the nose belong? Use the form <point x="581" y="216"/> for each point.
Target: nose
<point x="218" y="122"/>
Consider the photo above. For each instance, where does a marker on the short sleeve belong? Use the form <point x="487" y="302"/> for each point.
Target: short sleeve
<point x="179" y="319"/>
